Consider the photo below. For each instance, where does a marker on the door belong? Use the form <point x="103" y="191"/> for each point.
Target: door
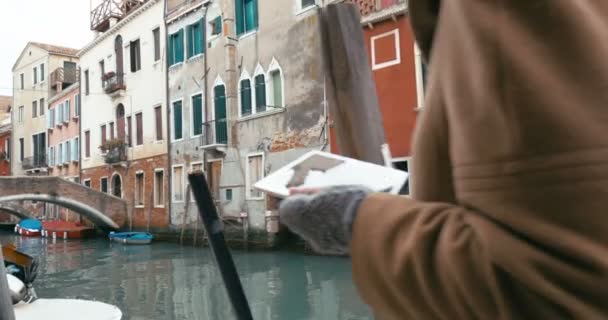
<point x="221" y="125"/>
<point x="213" y="178"/>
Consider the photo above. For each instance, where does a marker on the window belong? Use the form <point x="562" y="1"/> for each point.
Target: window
<point x="60" y="154"/>
<point x="255" y="172"/>
<point x="104" y="185"/>
<point x="39" y="149"/>
<point x="102" y="70"/>
<point x="198" y="116"/>
<point x="76" y="149"/>
<point x="260" y="93"/>
<point x="194" y="33"/>
<point x="139" y="189"/>
<point x="103" y="134"/>
<point x="178" y="183"/>
<point x="156" y="36"/>
<point x="51" y="156"/>
<point x="275" y="85"/>
<point x="245" y="97"/>
<point x="178" y="133"/>
<point x="129" y="132"/>
<point x="216" y="26"/>
<point x="66" y="111"/>
<point x="68" y="151"/>
<point x="159" y="185"/>
<point x="35" y="75"/>
<point x="77" y="105"/>
<point x="59" y="113"/>
<point x="139" y="126"/>
<point x="135" y="56"/>
<point x="42" y="107"/>
<point x="159" y="123"/>
<point x="86" y="82"/>
<point x="306" y="3"/>
<point x="385" y="50"/>
<point x="34" y="109"/>
<point x="21" y="149"/>
<point x="42" y="73"/>
<point x="228" y="194"/>
<point x="22" y="81"/>
<point x="176" y="47"/>
<point x="246" y="16"/>
<point x="421" y="75"/>
<point x="195" y="167"/>
<point x="87" y="144"/>
<point x="111" y="130"/>
<point x="20" y="115"/>
<point x="219" y="106"/>
<point x="87" y="183"/>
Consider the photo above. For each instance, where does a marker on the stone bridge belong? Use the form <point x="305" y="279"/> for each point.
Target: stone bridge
<point x="105" y="211"/>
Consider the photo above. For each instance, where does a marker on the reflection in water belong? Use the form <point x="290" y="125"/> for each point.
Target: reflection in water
<point x="166" y="281"/>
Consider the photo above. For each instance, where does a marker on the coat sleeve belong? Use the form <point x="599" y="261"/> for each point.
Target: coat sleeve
<point x="421" y="260"/>
<point x="423" y="19"/>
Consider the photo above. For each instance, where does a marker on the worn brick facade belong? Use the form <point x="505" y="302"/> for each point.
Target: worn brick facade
<point x="5" y="165"/>
<point x="141" y="217"/>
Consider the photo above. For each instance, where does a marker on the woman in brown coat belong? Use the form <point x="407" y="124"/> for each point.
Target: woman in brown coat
<point x="509" y="216"/>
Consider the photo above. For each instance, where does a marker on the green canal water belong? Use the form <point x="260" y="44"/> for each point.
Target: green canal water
<point x="168" y="281"/>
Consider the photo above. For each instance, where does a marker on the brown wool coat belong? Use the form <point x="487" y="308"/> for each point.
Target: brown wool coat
<point x="510" y="217"/>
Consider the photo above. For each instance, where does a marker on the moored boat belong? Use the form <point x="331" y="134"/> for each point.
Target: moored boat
<point x="66" y="230"/>
<point x="29" y="228"/>
<point x="131" y="237"/>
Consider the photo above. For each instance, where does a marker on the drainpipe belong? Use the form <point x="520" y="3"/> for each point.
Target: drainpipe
<point x="169" y="174"/>
<point x="205" y="83"/>
<point x="79" y="127"/>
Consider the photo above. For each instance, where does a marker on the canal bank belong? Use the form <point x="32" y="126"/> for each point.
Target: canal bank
<point x="168" y="281"/>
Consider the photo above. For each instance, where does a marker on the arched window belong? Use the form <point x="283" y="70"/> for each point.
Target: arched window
<point x="219" y="129"/>
<point x="245" y="95"/>
<point x="275" y="91"/>
<point x="117" y="185"/>
<point x="260" y="89"/>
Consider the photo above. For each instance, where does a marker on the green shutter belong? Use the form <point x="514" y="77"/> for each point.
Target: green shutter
<point x="245" y="97"/>
<point x="202" y="36"/>
<point x="179" y="56"/>
<point x="171" y="60"/>
<point x="217" y="25"/>
<point x="189" y="41"/>
<point x="197" y="114"/>
<point x="260" y="93"/>
<point x="240" y="16"/>
<point x="221" y="127"/>
<point x="177" y="120"/>
<point x="250" y="15"/>
<point x="255" y="14"/>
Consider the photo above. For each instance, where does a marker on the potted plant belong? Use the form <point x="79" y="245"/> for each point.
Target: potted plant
<point x="115" y="150"/>
<point x="108" y="75"/>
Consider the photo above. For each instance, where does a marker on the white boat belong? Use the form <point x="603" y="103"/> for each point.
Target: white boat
<point x="66" y="309"/>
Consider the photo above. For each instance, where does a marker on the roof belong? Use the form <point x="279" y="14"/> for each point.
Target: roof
<point x="50" y="48"/>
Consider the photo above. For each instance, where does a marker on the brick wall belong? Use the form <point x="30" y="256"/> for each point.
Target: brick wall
<point x="141" y="217"/>
<point x="5" y="165"/>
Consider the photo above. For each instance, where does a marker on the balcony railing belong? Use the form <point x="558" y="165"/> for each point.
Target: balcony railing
<point x="113" y="82"/>
<point x="64" y="76"/>
<point x="38" y="161"/>
<point x="215" y="133"/>
<point x="116" y="154"/>
<point x="111" y="9"/>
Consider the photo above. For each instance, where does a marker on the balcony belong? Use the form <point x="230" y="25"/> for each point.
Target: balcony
<point x="115" y="151"/>
<point x="215" y="135"/>
<point x="65" y="77"/>
<point x="36" y="162"/>
<point x="112" y="10"/>
<point x="114" y="83"/>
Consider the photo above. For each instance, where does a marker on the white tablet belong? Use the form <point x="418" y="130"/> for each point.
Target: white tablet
<point x="318" y="169"/>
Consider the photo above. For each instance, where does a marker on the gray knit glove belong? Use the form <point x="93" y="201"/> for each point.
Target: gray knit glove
<point x="324" y="219"/>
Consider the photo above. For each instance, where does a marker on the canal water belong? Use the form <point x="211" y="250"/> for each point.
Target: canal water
<point x="168" y="281"/>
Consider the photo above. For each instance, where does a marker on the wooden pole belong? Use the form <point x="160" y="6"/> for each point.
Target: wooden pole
<point x="213" y="227"/>
<point x="353" y="104"/>
<point x="6" y="304"/>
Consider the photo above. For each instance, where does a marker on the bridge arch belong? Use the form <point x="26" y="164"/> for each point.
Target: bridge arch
<point x="95" y="216"/>
<point x="15" y="210"/>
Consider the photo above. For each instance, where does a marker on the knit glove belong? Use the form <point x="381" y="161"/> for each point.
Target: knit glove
<point x="324" y="219"/>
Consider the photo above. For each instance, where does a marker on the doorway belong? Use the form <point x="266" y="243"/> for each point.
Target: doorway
<point x="117" y="186"/>
<point x="214" y="174"/>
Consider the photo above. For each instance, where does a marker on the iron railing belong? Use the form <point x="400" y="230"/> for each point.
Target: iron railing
<point x="111" y="9"/>
<point x="113" y="82"/>
<point x="215" y="133"/>
<point x="36" y="162"/>
<point x="116" y="154"/>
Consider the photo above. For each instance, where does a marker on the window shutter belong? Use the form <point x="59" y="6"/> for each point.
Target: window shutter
<point x="177" y="120"/>
<point x="260" y="93"/>
<point x="189" y="41"/>
<point x="255" y="14"/>
<point x="50" y="151"/>
<point x="197" y="114"/>
<point x="240" y="16"/>
<point x="180" y="46"/>
<point x="171" y="60"/>
<point x="245" y="97"/>
<point x="202" y="36"/>
<point x="217" y="25"/>
<point x="67" y="111"/>
<point x="48" y="122"/>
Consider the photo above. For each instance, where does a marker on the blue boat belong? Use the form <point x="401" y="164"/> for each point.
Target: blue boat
<point x="131" y="237"/>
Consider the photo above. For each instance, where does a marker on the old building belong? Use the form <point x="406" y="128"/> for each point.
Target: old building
<point x="246" y="92"/>
<point x="63" y="122"/>
<point x="30" y="97"/>
<point x="123" y="84"/>
<point x="5" y="135"/>
<point x="398" y="71"/>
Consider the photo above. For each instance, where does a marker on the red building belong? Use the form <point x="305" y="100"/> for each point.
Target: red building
<point x="398" y="72"/>
<point x="5" y="135"/>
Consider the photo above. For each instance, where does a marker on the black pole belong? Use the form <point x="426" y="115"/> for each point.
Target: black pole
<point x="213" y="226"/>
